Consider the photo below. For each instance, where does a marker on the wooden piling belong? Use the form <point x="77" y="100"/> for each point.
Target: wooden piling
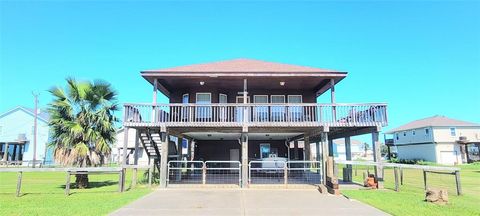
<point x="19" y="183"/>
<point x="395" y="172"/>
<point x="457" y="181"/>
<point x="425" y="179"/>
<point x="67" y="184"/>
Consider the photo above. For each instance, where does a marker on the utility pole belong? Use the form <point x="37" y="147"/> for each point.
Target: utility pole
<point x="35" y="95"/>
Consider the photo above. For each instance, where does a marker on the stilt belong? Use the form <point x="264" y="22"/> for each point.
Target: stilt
<point x="164" y="159"/>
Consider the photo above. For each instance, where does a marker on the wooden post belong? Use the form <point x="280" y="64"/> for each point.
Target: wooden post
<point x="67" y="184"/>
<point x="295" y="149"/>
<point x="5" y="154"/>
<point x="150" y="169"/>
<point x="348" y="156"/>
<point x="180" y="157"/>
<point x="134" y="177"/>
<point x="244" y="139"/>
<point x="285" y="175"/>
<point x="377" y="157"/>
<point x="19" y="183"/>
<point x="164" y="158"/>
<point x="204" y="173"/>
<point x="425" y="179"/>
<point x="325" y="151"/>
<point x="457" y="181"/>
<point x="121" y="181"/>
<point x="395" y="172"/>
<point x="401" y="175"/>
<point x="306" y="148"/>
<point x="332" y="99"/>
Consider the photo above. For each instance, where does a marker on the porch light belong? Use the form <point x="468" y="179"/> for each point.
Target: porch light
<point x="202" y="83"/>
<point x="282" y="83"/>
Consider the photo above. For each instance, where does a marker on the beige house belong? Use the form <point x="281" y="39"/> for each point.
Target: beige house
<point x="437" y="139"/>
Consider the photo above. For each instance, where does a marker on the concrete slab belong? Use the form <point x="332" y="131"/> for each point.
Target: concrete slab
<point x="245" y="202"/>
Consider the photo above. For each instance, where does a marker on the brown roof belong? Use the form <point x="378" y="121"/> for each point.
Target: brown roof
<point x="242" y="65"/>
<point x="437" y="120"/>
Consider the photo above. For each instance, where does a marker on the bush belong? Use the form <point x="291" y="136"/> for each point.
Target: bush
<point x="411" y="161"/>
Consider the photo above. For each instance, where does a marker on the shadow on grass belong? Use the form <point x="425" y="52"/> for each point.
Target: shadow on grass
<point x="92" y="185"/>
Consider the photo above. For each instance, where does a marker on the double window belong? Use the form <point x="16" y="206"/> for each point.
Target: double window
<point x="453" y="131"/>
<point x="278" y="109"/>
<point x="260" y="112"/>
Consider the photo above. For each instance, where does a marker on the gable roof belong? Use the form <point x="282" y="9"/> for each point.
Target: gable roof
<point x="434" y="121"/>
<point x="42" y="115"/>
<point x="243" y="65"/>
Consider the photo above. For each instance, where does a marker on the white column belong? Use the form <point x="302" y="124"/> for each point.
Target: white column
<point x="244" y="139"/>
<point x="377" y="157"/>
<point x="164" y="159"/>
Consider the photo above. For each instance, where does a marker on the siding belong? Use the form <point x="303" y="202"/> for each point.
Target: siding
<point x="220" y="149"/>
<point x="423" y="151"/>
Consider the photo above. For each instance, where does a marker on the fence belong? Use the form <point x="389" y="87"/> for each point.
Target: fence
<point x="267" y="172"/>
<point x="223" y="172"/>
<point x="416" y="177"/>
<point x="186" y="172"/>
<point x="304" y="172"/>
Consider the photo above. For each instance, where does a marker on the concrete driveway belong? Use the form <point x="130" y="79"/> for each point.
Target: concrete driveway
<point x="245" y="202"/>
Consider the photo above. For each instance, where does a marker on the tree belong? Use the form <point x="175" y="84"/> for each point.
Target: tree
<point x="82" y="124"/>
<point x="366" y="147"/>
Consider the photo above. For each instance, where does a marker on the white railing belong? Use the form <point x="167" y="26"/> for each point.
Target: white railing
<point x="302" y="114"/>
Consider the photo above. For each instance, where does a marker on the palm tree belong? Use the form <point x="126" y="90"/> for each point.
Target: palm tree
<point x="82" y="124"/>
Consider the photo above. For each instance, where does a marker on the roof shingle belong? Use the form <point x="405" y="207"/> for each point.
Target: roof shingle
<point x="437" y="120"/>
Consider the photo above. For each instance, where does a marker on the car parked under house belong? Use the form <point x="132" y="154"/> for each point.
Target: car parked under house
<point x="246" y="114"/>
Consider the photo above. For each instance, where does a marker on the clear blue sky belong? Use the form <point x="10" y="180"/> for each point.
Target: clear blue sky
<point x="423" y="58"/>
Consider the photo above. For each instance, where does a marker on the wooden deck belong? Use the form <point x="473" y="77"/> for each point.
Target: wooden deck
<point x="255" y="115"/>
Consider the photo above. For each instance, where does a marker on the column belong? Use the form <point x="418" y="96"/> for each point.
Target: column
<point x="137" y="149"/>
<point x="164" y="159"/>
<point x="317" y="150"/>
<point x="330" y="148"/>
<point x="377" y="157"/>
<point x="179" y="157"/>
<point x="324" y="156"/>
<point x="244" y="139"/>
<point x="347" y="172"/>
<point x="5" y="153"/>
<point x="14" y="155"/>
<point x="125" y="146"/>
<point x="306" y="144"/>
<point x="189" y="149"/>
<point x="295" y="149"/>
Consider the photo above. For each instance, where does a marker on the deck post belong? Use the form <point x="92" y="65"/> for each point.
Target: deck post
<point x="325" y="151"/>
<point x="347" y="174"/>
<point x="189" y="149"/>
<point x="332" y="99"/>
<point x="424" y="180"/>
<point x="395" y="172"/>
<point x="154" y="99"/>
<point x="306" y="148"/>
<point x="245" y="169"/>
<point x="295" y="149"/>
<point x="19" y="183"/>
<point x="377" y="157"/>
<point x="317" y="151"/>
<point x="67" y="183"/>
<point x="457" y="181"/>
<point x="401" y="176"/>
<point x="180" y="158"/>
<point x="164" y="159"/>
<point x="150" y="170"/>
<point x="5" y="154"/>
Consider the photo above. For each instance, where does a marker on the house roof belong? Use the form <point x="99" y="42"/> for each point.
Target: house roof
<point x="42" y="115"/>
<point x="434" y="121"/>
<point x="243" y="65"/>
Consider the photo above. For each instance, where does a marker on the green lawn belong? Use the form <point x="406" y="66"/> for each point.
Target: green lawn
<point x="43" y="194"/>
<point x="410" y="199"/>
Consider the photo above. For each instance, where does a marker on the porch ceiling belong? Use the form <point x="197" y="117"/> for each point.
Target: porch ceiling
<point x="235" y="136"/>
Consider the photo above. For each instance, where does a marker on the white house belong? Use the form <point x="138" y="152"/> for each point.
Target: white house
<point x="437" y="139"/>
<point x="357" y="149"/>
<point x="16" y="135"/>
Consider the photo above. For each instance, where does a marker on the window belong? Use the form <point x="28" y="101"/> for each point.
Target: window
<point x="427" y="131"/>
<point x="260" y="112"/>
<point x="396" y="135"/>
<point x="264" y="150"/>
<point x="295" y="112"/>
<point x="404" y="133"/>
<point x="185" y="98"/>
<point x="203" y="112"/>
<point x="278" y="111"/>
<point x="453" y="132"/>
<point x="413" y="132"/>
<point x="222" y="98"/>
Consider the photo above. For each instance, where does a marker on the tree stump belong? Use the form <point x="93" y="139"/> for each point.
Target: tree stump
<point x="437" y="196"/>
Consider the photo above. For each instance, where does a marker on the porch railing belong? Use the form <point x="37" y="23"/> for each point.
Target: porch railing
<point x="254" y="114"/>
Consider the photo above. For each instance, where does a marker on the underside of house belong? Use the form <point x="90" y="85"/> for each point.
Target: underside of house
<point x="248" y="122"/>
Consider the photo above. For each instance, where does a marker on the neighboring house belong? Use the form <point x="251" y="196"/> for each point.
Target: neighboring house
<point x="16" y="132"/>
<point x="248" y="110"/>
<point x="357" y="150"/>
<point x="437" y="139"/>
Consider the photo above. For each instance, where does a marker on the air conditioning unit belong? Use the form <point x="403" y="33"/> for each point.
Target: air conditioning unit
<point x="22" y="137"/>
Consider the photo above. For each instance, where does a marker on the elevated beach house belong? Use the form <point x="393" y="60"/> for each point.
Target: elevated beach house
<point x="249" y="113"/>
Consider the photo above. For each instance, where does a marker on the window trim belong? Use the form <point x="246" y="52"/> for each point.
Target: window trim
<point x="226" y="97"/>
<point x="196" y="96"/>
<point x="188" y="98"/>
<point x="255" y="96"/>
<point x="271" y="96"/>
<point x="288" y="98"/>
<point x="454" y="131"/>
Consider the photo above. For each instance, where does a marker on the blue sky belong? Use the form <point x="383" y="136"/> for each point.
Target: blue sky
<point x="422" y="58"/>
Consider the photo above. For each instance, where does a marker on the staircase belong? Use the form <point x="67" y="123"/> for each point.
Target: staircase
<point x="152" y="144"/>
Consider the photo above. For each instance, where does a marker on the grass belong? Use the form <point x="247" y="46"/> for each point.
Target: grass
<point x="410" y="199"/>
<point x="43" y="194"/>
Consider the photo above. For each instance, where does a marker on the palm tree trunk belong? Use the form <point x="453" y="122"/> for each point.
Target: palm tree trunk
<point x="81" y="181"/>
